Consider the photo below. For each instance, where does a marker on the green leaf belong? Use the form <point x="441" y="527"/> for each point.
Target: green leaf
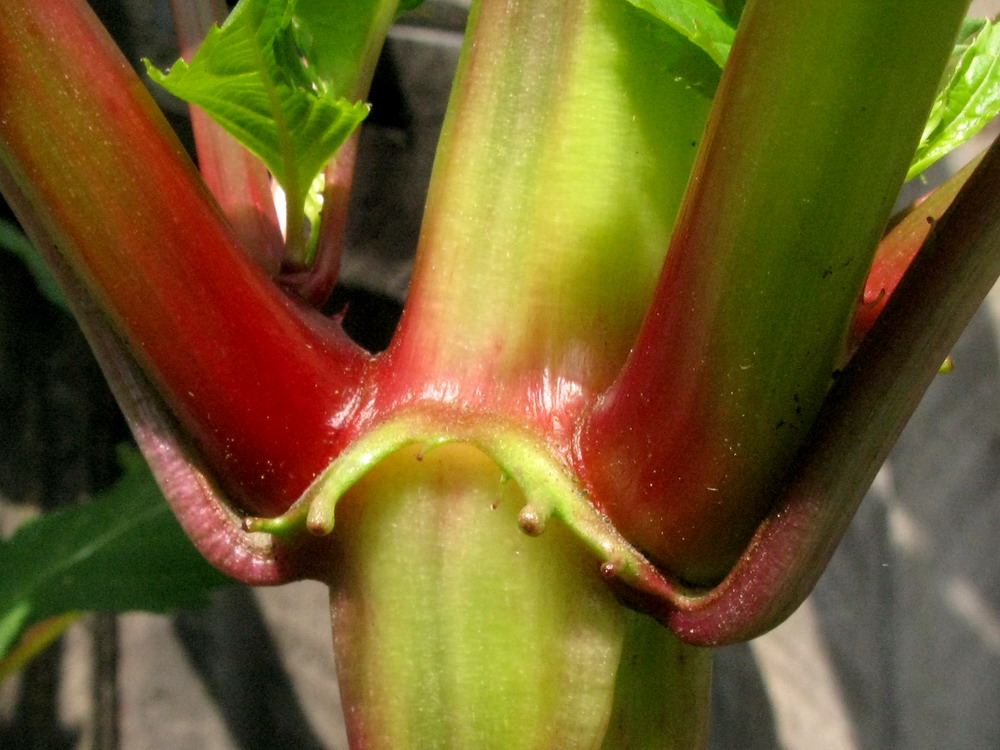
<point x="123" y="550"/>
<point x="734" y="9"/>
<point x="701" y="21"/>
<point x="969" y="97"/>
<point x="14" y="241"/>
<point x="338" y="38"/>
<point x="253" y="77"/>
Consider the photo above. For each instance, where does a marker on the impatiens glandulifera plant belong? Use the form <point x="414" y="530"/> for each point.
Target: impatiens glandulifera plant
<point x="647" y="367"/>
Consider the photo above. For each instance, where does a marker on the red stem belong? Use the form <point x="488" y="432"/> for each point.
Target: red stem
<point x="203" y="511"/>
<point x="790" y="194"/>
<point x="860" y="420"/>
<point x="238" y="179"/>
<point x="898" y="249"/>
<point x="262" y="386"/>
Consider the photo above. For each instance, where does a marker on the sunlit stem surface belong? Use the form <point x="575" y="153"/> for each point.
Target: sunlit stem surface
<point x="811" y="134"/>
<point x="455" y="630"/>
<point x="562" y="162"/>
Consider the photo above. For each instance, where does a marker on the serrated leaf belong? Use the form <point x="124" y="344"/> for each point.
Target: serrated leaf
<point x="15" y="242"/>
<point x="123" y="550"/>
<point x="969" y="98"/>
<point x="700" y="21"/>
<point x="252" y="76"/>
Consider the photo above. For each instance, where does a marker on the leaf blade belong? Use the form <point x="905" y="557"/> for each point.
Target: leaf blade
<point x="121" y="551"/>
<point x="969" y="98"/>
<point x="15" y="242"/>
<point x="699" y="20"/>
<point x="251" y="76"/>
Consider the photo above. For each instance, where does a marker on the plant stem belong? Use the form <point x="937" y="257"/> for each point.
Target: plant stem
<point x="455" y="630"/>
<point x="560" y="170"/>
<point x="312" y="275"/>
<point x="238" y="180"/>
<point x="816" y="120"/>
<point x="898" y="249"/>
<point x="262" y="386"/>
<point x="663" y="692"/>
<point x="861" y="418"/>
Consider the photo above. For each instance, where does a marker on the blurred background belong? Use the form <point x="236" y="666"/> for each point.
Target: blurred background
<point x="899" y="646"/>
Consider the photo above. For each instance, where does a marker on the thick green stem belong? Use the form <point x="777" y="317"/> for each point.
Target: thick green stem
<point x="663" y="693"/>
<point x="451" y="626"/>
<point x="816" y="120"/>
<point x="861" y="418"/>
<point x="263" y="387"/>
<point x="563" y="159"/>
<point x="453" y="629"/>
